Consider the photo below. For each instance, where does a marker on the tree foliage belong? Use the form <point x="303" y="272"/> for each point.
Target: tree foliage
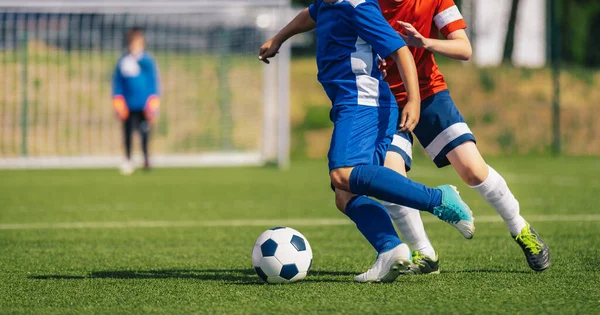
<point x="578" y="31"/>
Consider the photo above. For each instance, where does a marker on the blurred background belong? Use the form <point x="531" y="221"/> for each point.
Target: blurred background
<point x="531" y="88"/>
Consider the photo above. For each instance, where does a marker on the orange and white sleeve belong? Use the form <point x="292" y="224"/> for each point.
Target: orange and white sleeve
<point x="447" y="17"/>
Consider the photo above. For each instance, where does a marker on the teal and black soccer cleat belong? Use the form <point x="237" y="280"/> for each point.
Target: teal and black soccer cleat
<point x="423" y="264"/>
<point x="455" y="211"/>
<point x="536" y="251"/>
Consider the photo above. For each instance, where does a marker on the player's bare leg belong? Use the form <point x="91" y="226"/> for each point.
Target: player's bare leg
<point x="408" y="222"/>
<point x="472" y="168"/>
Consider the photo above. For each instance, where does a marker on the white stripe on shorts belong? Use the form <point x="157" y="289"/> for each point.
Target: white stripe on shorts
<point x="403" y="145"/>
<point x="445" y="137"/>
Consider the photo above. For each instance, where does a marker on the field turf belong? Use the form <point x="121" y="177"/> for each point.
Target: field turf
<point x="179" y="241"/>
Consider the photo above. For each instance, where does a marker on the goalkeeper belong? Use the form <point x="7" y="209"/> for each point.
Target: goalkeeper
<point x="136" y="95"/>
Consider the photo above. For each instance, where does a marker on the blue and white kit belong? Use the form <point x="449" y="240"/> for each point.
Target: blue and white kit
<point x="350" y="36"/>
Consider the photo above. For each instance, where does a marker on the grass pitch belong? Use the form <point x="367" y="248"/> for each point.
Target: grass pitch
<point x="91" y="241"/>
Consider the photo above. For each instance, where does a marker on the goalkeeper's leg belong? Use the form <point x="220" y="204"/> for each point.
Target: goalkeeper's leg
<point x="127" y="166"/>
<point x="145" y="129"/>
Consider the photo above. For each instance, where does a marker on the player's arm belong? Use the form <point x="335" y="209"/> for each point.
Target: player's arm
<point x="408" y="71"/>
<point x="118" y="94"/>
<point x="153" y="103"/>
<point x="450" y="23"/>
<point x="375" y="30"/>
<point x="303" y="22"/>
<point x="456" y="46"/>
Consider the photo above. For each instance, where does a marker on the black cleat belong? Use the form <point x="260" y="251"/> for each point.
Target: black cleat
<point x="536" y="251"/>
<point x="422" y="264"/>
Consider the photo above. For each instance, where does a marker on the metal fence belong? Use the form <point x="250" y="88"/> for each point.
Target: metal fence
<point x="220" y="105"/>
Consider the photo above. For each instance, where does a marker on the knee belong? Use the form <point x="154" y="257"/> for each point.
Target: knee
<point x="474" y="174"/>
<point x="341" y="203"/>
<point x="342" y="199"/>
<point x="340" y="178"/>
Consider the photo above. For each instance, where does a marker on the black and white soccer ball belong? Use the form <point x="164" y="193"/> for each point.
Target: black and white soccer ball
<point x="281" y="255"/>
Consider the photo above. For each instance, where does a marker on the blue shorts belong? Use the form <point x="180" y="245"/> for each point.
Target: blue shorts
<point x="440" y="130"/>
<point x="361" y="134"/>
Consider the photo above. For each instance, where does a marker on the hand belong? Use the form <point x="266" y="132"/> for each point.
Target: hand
<point x="381" y="65"/>
<point x="152" y="109"/>
<point x="413" y="37"/>
<point x="121" y="116"/>
<point x="120" y="108"/>
<point x="268" y="50"/>
<point x="410" y="116"/>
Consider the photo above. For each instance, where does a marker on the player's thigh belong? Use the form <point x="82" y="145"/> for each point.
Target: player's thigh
<point x="395" y="161"/>
<point x="399" y="155"/>
<point x="145" y="125"/>
<point x="134" y="119"/>
<point x="441" y="127"/>
<point x="139" y="122"/>
<point x="468" y="163"/>
<point x="361" y="135"/>
<point x="387" y="126"/>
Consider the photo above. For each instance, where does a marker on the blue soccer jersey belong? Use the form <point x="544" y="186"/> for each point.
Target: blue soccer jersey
<point x="350" y="35"/>
<point x="136" y="80"/>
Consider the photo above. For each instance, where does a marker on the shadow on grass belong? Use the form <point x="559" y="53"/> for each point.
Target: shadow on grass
<point x="231" y="276"/>
<point x="488" y="271"/>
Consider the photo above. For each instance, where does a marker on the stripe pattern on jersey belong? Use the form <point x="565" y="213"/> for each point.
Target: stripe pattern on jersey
<point x="362" y="65"/>
<point x="355" y="3"/>
<point x="444" y="19"/>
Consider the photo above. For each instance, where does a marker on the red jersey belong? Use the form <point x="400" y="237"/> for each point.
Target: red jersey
<point x="429" y="17"/>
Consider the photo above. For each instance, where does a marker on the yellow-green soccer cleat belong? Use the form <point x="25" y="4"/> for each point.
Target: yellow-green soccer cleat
<point x="423" y="264"/>
<point x="536" y="251"/>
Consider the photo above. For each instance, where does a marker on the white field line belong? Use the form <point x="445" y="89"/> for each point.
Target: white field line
<point x="265" y="223"/>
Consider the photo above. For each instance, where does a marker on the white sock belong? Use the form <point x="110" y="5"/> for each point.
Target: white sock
<point x="409" y="224"/>
<point x="495" y="191"/>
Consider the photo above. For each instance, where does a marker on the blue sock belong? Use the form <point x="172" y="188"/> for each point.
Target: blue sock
<point x="374" y="222"/>
<point x="385" y="184"/>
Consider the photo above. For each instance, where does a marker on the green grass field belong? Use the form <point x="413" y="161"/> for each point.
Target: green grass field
<point x="92" y="241"/>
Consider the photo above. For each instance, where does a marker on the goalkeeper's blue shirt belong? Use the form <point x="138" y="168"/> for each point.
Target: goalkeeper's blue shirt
<point x="136" y="79"/>
<point x="350" y="35"/>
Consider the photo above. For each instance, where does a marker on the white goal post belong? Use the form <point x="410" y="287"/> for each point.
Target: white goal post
<point x="220" y="105"/>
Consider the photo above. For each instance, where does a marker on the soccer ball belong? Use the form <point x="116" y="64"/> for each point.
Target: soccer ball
<point x="281" y="255"/>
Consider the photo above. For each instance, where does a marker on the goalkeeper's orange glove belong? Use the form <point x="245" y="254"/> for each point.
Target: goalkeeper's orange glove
<point x="152" y="108"/>
<point x="120" y="107"/>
